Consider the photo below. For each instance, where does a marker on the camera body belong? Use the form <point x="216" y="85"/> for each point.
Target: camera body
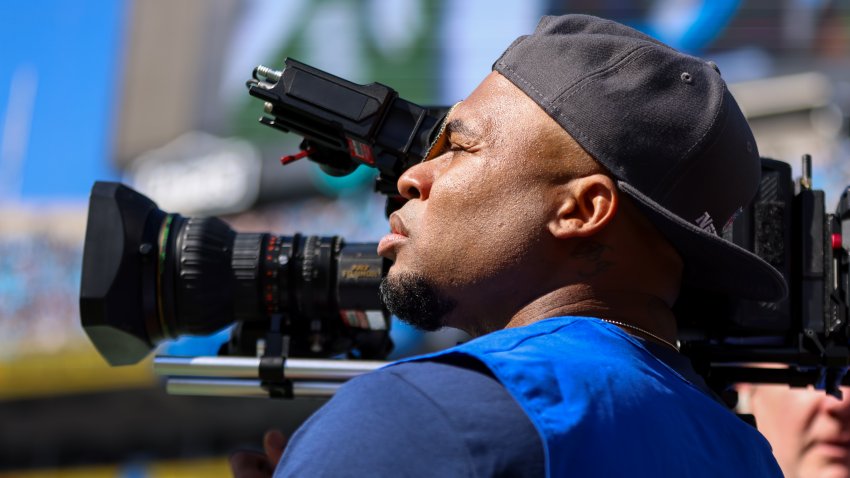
<point x="806" y="334"/>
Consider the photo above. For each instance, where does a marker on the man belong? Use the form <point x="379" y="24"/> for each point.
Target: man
<point x="808" y="429"/>
<point x="557" y="217"/>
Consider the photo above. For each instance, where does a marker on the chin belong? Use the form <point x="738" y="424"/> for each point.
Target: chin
<point x="827" y="469"/>
<point x="415" y="300"/>
<point x="833" y="470"/>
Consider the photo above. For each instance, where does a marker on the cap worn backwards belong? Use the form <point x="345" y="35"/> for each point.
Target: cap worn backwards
<point x="666" y="127"/>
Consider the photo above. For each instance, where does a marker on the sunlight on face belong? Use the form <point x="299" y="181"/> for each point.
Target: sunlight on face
<point x="808" y="430"/>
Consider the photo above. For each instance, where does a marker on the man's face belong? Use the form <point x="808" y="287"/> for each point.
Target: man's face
<point x="808" y="430"/>
<point x="470" y="243"/>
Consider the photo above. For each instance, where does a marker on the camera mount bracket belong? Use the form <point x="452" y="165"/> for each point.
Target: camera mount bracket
<point x="273" y="361"/>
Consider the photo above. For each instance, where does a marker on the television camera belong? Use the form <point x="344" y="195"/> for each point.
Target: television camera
<point x="296" y="301"/>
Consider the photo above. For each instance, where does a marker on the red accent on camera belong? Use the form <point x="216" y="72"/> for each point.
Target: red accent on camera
<point x="295" y="157"/>
<point x="361" y="151"/>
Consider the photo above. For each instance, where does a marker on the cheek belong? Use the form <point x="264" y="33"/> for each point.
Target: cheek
<point x="776" y="406"/>
<point x="486" y="193"/>
<point x="490" y="208"/>
<point x="484" y="224"/>
<point x="784" y="417"/>
<point x="483" y="213"/>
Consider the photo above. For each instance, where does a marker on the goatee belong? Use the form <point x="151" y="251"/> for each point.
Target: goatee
<point x="413" y="299"/>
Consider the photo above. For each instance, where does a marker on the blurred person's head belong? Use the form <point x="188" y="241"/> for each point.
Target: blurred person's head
<point x="808" y="429"/>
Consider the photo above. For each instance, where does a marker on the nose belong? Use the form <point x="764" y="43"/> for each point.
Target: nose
<point x="838" y="407"/>
<point x="416" y="182"/>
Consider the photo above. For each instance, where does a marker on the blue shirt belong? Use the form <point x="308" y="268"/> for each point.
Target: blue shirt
<point x="599" y="403"/>
<point x="417" y="419"/>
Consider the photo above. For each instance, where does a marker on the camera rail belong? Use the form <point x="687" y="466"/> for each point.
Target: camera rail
<point x="240" y="376"/>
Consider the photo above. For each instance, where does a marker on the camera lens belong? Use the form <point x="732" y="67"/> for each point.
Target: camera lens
<point x="149" y="275"/>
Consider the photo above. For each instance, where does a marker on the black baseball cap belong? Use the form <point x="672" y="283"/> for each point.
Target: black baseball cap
<point x="665" y="126"/>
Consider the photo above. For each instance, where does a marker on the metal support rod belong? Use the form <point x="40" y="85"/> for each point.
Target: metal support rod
<point x="239" y="376"/>
<point x="223" y="387"/>
<point x="248" y="367"/>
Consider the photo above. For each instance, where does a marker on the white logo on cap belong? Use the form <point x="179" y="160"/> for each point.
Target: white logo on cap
<point x="706" y="223"/>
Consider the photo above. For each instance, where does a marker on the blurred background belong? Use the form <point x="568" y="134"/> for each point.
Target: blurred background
<point x="151" y="93"/>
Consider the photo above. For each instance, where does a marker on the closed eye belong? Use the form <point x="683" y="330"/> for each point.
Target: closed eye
<point x="462" y="148"/>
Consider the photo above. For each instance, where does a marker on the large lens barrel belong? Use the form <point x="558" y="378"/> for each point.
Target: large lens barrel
<point x="322" y="285"/>
<point x="149" y="275"/>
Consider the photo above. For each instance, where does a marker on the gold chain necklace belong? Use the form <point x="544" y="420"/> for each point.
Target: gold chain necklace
<point x="635" y="327"/>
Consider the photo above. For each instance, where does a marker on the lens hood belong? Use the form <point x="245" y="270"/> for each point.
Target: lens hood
<point x="117" y="304"/>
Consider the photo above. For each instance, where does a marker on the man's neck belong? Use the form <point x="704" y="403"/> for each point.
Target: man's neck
<point x="645" y="311"/>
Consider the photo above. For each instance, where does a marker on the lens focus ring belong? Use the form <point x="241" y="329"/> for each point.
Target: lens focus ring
<point x="246" y="270"/>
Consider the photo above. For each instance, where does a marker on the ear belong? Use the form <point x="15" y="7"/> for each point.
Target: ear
<point x="585" y="206"/>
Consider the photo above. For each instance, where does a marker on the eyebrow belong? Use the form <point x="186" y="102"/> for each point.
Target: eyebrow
<point x="441" y="143"/>
<point x="460" y="127"/>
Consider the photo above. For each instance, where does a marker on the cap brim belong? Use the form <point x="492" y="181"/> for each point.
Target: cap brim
<point x="712" y="263"/>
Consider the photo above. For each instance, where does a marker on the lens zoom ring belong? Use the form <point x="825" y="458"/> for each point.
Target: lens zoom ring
<point x="202" y="291"/>
<point x="245" y="263"/>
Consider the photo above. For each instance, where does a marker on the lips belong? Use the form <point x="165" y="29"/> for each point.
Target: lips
<point x="834" y="447"/>
<point x="834" y="450"/>
<point x="841" y="443"/>
<point x="397" y="225"/>
<point x="388" y="245"/>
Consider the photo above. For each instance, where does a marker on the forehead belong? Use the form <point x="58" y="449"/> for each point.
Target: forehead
<point x="497" y="104"/>
<point x="499" y="115"/>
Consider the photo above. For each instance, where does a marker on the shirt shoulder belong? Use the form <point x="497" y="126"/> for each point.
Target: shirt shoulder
<point x="429" y="418"/>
